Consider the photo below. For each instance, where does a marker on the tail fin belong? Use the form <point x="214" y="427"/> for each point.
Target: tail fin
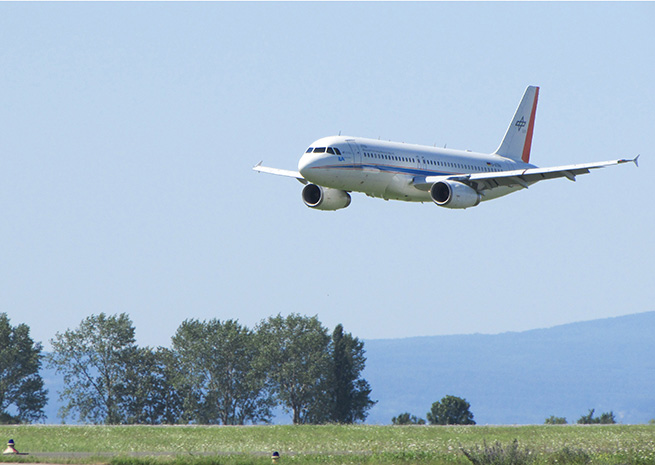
<point x="518" y="138"/>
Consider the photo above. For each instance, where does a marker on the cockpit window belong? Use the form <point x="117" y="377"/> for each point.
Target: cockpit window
<point x="319" y="150"/>
<point x="330" y="150"/>
<point x="309" y="150"/>
<point x="338" y="151"/>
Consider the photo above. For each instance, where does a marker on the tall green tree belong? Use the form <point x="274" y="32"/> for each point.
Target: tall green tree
<point x="150" y="397"/>
<point x="451" y="410"/>
<point x="296" y="356"/>
<point x="94" y="359"/>
<point x="224" y="385"/>
<point x="22" y="396"/>
<point x="350" y="394"/>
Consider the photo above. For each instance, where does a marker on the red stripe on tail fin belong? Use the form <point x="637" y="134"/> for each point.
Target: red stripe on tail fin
<point x="528" y="138"/>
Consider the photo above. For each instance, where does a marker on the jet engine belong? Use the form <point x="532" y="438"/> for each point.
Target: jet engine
<point x="324" y="198"/>
<point x="453" y="194"/>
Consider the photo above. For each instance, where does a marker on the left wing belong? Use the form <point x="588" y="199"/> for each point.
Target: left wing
<point x="287" y="173"/>
<point x="524" y="177"/>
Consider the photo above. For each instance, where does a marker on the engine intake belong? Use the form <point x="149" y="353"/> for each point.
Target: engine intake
<point x="324" y="198"/>
<point x="453" y="194"/>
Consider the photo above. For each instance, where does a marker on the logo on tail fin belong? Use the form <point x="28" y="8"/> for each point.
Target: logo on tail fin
<point x="520" y="123"/>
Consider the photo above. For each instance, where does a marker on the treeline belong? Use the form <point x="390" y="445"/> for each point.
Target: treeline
<point x="452" y="410"/>
<point x="606" y="418"/>
<point x="216" y="372"/>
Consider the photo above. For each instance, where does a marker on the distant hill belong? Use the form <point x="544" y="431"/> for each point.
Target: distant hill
<point x="521" y="378"/>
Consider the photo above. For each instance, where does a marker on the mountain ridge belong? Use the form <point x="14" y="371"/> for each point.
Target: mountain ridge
<point x="521" y="377"/>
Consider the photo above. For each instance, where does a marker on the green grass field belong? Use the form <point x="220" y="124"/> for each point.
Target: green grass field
<point x="206" y="445"/>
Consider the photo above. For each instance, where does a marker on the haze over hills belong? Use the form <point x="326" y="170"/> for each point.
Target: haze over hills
<point x="523" y="377"/>
<point x="508" y="378"/>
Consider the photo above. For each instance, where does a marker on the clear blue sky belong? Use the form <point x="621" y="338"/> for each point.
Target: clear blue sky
<point x="128" y="133"/>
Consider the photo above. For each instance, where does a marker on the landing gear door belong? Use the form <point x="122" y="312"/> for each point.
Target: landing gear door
<point x="354" y="149"/>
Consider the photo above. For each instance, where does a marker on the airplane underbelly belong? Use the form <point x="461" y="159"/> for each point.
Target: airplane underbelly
<point x="400" y="187"/>
<point x="373" y="182"/>
<point x="391" y="186"/>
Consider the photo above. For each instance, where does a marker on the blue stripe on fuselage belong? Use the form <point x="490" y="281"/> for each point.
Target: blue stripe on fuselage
<point x="387" y="169"/>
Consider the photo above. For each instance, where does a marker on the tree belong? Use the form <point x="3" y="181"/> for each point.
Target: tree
<point x="451" y="410"/>
<point x="553" y="420"/>
<point x="224" y="384"/>
<point x="606" y="418"/>
<point x="295" y="355"/>
<point x="152" y="398"/>
<point x="94" y="360"/>
<point x="22" y="396"/>
<point x="407" y="419"/>
<point x="350" y="395"/>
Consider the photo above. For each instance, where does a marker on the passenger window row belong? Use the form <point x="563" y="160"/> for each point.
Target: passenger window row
<point x="461" y="166"/>
<point x="385" y="156"/>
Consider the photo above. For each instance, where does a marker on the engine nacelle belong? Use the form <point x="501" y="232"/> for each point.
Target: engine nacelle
<point x="324" y="198"/>
<point x="453" y="194"/>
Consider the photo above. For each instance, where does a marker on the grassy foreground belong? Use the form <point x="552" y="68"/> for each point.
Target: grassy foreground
<point x="299" y="445"/>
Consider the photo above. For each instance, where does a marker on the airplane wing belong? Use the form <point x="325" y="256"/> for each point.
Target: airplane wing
<point x="524" y="177"/>
<point x="287" y="173"/>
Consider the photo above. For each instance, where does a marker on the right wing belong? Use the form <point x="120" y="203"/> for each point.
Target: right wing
<point x="523" y="177"/>
<point x="287" y="173"/>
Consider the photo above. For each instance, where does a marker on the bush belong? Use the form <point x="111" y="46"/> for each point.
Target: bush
<point x="570" y="456"/>
<point x="499" y="454"/>
<point x="606" y="418"/>
<point x="407" y="419"/>
<point x="451" y="410"/>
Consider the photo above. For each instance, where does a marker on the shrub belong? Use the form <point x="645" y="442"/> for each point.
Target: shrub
<point x="451" y="410"/>
<point x="407" y="419"/>
<point x="498" y="454"/>
<point x="606" y="418"/>
<point x="570" y="456"/>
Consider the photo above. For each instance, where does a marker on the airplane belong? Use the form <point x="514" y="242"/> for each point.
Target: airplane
<point x="333" y="167"/>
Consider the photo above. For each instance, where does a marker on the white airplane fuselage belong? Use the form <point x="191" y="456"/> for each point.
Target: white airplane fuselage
<point x="387" y="169"/>
<point x="333" y="167"/>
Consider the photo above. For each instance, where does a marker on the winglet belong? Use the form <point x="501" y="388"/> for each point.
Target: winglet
<point x="258" y="164"/>
<point x="636" y="160"/>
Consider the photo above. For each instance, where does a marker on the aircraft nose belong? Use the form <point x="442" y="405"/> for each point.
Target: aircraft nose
<point x="305" y="164"/>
